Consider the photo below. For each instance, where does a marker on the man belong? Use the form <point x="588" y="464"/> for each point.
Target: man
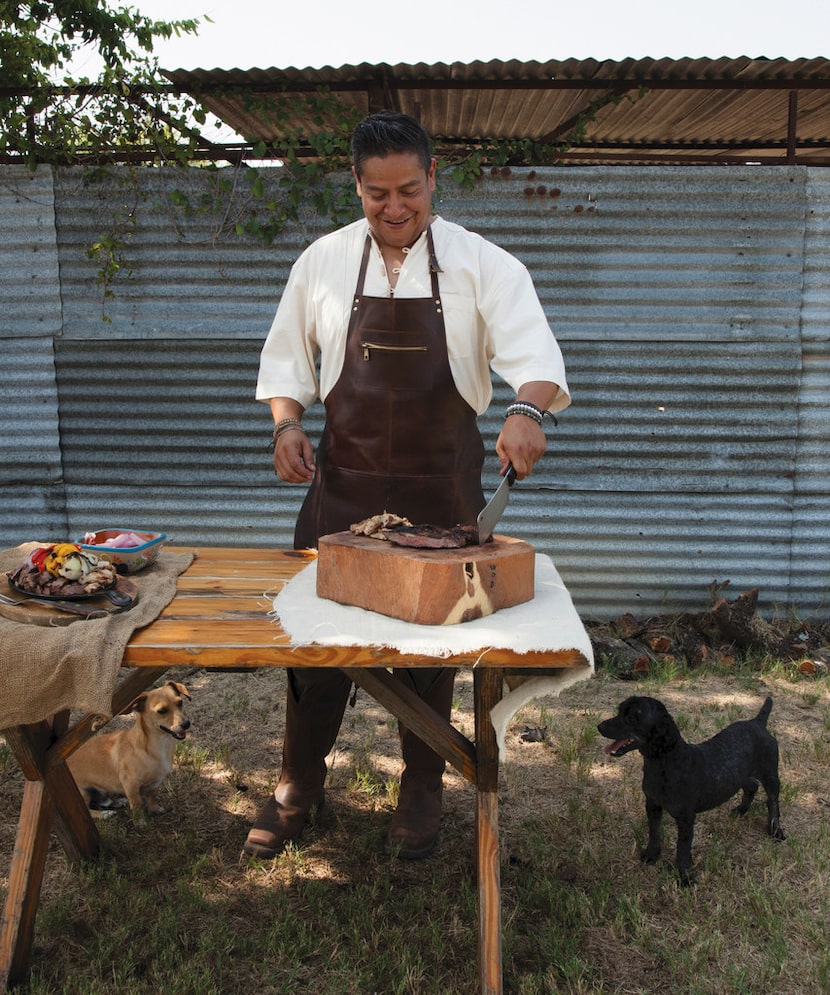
<point x="407" y="313"/>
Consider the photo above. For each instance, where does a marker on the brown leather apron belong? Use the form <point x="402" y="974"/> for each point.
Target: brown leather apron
<point x="398" y="436"/>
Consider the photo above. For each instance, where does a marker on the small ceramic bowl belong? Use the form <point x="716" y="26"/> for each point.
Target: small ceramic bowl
<point x="127" y="559"/>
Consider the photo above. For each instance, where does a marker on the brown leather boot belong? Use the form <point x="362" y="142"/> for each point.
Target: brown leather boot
<point x="417" y="819"/>
<point x="314" y="708"/>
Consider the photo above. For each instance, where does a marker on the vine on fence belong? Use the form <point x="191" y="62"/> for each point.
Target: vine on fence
<point x="301" y="172"/>
<point x="128" y="113"/>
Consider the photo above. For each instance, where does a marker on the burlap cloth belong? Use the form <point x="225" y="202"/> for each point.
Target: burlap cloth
<point x="45" y="669"/>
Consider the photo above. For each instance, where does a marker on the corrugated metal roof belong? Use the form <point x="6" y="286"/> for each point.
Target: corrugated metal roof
<point x="634" y="110"/>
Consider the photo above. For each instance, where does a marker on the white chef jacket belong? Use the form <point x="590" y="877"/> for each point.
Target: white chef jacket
<point x="492" y="315"/>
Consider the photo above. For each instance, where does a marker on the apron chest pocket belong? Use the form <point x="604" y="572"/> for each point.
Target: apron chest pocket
<point x="396" y="360"/>
<point x="367" y="347"/>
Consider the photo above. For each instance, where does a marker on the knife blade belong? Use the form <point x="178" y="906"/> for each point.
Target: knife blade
<point x="73" y="608"/>
<point x="490" y="514"/>
<point x="70" y="607"/>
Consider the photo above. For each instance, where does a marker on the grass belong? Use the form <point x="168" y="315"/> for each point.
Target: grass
<point x="172" y="908"/>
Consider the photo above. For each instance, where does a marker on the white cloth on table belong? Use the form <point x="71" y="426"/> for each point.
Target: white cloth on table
<point x="548" y="623"/>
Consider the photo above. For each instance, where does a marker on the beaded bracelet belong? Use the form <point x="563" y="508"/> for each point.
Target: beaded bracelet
<point x="285" y="426"/>
<point x="525" y="408"/>
<point x="531" y="410"/>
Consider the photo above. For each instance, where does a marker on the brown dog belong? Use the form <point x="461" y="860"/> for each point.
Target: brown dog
<point x="134" y="761"/>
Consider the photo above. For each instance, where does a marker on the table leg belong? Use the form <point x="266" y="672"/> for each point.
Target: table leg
<point x="38" y="812"/>
<point x="481" y="766"/>
<point x="487" y="687"/>
<point x="51" y="800"/>
<point x="32" y="748"/>
<point x="25" y="878"/>
<point x="416" y="715"/>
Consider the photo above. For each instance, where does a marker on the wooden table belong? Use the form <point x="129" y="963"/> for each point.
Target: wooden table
<point x="217" y="620"/>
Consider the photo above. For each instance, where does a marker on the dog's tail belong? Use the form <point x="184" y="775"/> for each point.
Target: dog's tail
<point x="763" y="715"/>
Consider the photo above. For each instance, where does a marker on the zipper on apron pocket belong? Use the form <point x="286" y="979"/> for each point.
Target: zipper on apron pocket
<point x="368" y="346"/>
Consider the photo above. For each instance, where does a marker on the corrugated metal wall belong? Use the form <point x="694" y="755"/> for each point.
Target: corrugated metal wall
<point x="810" y="570"/>
<point x="693" y="307"/>
<point x="33" y="499"/>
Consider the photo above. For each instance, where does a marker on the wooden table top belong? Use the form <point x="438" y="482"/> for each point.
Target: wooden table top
<point x="219" y="618"/>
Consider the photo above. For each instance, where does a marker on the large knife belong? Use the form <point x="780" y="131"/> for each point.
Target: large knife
<point x="72" y="607"/>
<point x="490" y="514"/>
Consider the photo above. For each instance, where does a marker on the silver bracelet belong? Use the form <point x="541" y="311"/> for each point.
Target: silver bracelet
<point x="525" y="408"/>
<point x="285" y="426"/>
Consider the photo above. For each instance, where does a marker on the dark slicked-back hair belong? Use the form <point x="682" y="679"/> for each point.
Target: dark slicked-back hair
<point x="389" y="131"/>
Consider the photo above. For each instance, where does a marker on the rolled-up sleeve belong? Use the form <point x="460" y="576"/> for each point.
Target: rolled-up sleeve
<point x="520" y="343"/>
<point x="288" y="361"/>
<point x="494" y="319"/>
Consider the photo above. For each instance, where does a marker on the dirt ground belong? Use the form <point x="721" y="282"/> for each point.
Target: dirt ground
<point x="551" y="747"/>
<point x="564" y="805"/>
<point x="235" y="741"/>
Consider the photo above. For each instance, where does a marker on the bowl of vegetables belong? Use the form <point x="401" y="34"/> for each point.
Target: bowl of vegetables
<point x="129" y="550"/>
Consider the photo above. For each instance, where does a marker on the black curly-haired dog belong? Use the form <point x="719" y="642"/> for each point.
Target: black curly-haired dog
<point x="685" y="779"/>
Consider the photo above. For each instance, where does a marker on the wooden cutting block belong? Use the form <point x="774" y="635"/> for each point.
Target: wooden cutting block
<point x="427" y="586"/>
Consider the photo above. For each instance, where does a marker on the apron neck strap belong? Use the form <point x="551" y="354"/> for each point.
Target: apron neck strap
<point x="364" y="262"/>
<point x="433" y="259"/>
<point x="434" y="268"/>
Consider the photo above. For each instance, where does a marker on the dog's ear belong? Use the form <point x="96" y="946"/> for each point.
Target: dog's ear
<point x="625" y="707"/>
<point x="643" y="711"/>
<point x="180" y="688"/>
<point x="664" y="734"/>
<point x="136" y="705"/>
<point x="634" y="711"/>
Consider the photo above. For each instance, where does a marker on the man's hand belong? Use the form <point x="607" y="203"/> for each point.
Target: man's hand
<point x="293" y="452"/>
<point x="521" y="442"/>
<point x="294" y="457"/>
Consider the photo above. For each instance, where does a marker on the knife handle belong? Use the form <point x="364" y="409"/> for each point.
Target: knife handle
<point x="85" y="611"/>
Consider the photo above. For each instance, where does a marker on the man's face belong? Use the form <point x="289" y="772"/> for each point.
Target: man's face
<point x="396" y="193"/>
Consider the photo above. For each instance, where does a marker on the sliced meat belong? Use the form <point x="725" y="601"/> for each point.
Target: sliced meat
<point x="432" y="536"/>
<point x="374" y="526"/>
